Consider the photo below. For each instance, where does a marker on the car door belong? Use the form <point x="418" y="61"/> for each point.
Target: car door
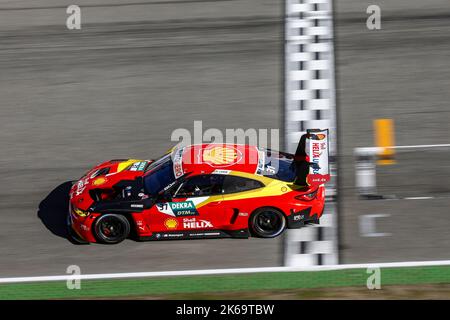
<point x="239" y="199"/>
<point x="195" y="205"/>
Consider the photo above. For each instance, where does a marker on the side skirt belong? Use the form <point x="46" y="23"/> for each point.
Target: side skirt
<point x="201" y="234"/>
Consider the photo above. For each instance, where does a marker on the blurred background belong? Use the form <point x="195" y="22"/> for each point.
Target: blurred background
<point x="137" y="70"/>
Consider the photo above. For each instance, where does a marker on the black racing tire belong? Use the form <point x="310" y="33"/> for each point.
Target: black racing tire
<point x="267" y="222"/>
<point x="111" y="228"/>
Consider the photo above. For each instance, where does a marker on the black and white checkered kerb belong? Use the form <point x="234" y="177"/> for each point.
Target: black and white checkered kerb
<point x="310" y="103"/>
<point x="314" y="244"/>
<point x="309" y="60"/>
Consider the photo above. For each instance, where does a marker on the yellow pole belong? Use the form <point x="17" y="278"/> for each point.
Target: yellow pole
<point x="384" y="138"/>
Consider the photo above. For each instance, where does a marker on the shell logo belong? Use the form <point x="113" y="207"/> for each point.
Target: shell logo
<point x="221" y="156"/>
<point x="320" y="136"/>
<point x="171" y="223"/>
<point x="99" y="181"/>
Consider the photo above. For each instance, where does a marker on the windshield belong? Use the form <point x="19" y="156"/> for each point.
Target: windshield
<point x="279" y="166"/>
<point x="160" y="175"/>
<point x="157" y="162"/>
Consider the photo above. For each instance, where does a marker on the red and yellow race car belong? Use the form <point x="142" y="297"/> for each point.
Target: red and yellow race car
<point x="202" y="191"/>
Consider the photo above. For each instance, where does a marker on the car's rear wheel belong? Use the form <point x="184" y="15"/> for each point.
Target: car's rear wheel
<point x="111" y="228"/>
<point x="267" y="222"/>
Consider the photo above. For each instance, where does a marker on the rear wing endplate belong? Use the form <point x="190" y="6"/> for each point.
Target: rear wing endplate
<point x="314" y="147"/>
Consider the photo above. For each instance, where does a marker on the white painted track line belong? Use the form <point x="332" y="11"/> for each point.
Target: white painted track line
<point x="224" y="271"/>
<point x="418" y="198"/>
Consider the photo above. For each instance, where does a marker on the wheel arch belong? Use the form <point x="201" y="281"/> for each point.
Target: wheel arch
<point x="271" y="207"/>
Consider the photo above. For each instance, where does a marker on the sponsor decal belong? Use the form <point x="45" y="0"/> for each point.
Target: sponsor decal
<point x="260" y="167"/>
<point x="80" y="212"/>
<point x="173" y="235"/>
<point x="99" y="181"/>
<point x="171" y="223"/>
<point x="316" y="156"/>
<point x="142" y="166"/>
<point x="178" y="169"/>
<point x="301" y="215"/>
<point x="170" y="185"/>
<point x="81" y="186"/>
<point x="193" y="223"/>
<point x="221" y="155"/>
<point x="243" y="214"/>
<point x="136" y="205"/>
<point x="138" y="166"/>
<point x="318" y="153"/>
<point x="178" y="163"/>
<point x="320" y="136"/>
<point x="221" y="171"/>
<point x="203" y="234"/>
<point x="178" y="209"/>
<point x="85" y="228"/>
<point x="187" y="234"/>
<point x="270" y="169"/>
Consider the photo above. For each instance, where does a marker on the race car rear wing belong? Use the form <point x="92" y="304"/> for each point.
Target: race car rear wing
<point x="313" y="148"/>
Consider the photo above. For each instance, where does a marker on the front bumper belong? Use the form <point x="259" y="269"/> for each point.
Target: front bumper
<point x="72" y="234"/>
<point x="79" y="228"/>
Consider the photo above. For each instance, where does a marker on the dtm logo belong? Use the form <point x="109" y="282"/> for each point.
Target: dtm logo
<point x="178" y="209"/>
<point x="196" y="224"/>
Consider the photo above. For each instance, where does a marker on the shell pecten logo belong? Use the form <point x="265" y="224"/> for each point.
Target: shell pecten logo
<point x="99" y="181"/>
<point x="171" y="223"/>
<point x="320" y="136"/>
<point x="221" y="155"/>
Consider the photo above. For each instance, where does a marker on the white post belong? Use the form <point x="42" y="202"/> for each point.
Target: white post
<point x="366" y="171"/>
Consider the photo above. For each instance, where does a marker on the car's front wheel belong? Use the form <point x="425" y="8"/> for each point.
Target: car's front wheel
<point x="267" y="222"/>
<point x="111" y="228"/>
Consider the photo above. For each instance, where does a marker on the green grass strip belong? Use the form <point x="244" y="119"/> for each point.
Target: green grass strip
<point x="223" y="283"/>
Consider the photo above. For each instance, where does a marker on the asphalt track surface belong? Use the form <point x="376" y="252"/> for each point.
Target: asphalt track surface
<point x="138" y="70"/>
<point x="401" y="72"/>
